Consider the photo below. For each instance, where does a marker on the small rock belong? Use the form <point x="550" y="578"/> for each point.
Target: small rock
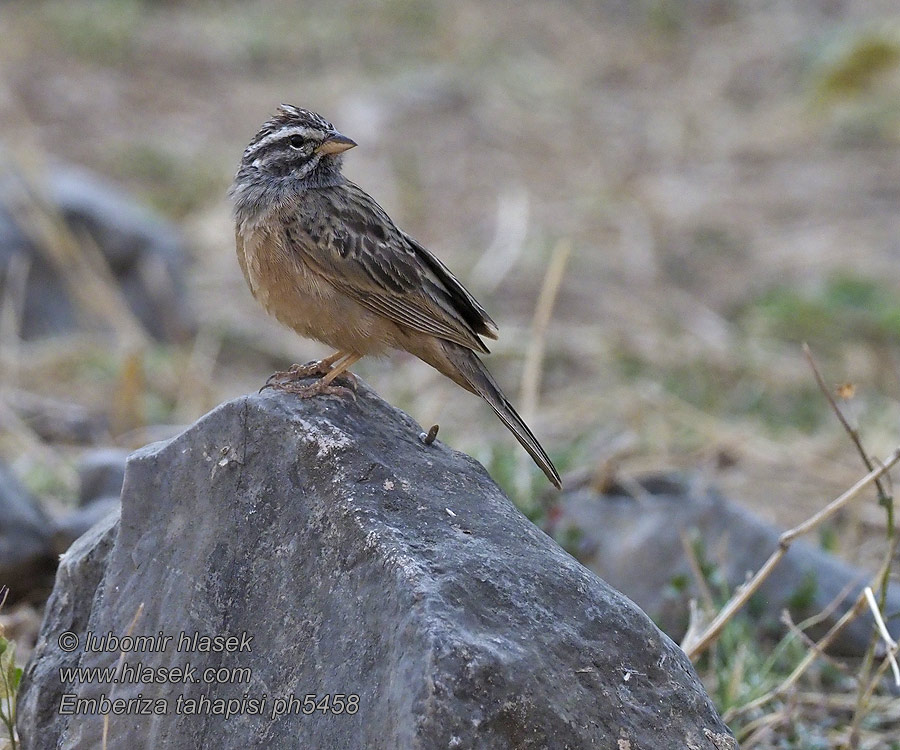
<point x="56" y="421"/>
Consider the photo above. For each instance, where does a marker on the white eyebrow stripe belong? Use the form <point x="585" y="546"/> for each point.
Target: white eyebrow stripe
<point x="286" y="132"/>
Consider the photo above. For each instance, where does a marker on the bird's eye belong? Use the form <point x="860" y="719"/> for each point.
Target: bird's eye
<point x="296" y="141"/>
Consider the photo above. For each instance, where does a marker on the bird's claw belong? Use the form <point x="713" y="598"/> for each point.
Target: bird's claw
<point x="315" y="368"/>
<point x="309" y="390"/>
<point x="352" y="380"/>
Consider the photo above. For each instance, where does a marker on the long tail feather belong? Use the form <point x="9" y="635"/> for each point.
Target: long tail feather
<point x="473" y="375"/>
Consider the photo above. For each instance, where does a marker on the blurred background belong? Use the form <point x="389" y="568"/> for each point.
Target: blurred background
<point x="710" y="183"/>
<point x="726" y="177"/>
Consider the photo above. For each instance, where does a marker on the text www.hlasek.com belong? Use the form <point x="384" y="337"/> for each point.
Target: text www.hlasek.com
<point x="132" y="674"/>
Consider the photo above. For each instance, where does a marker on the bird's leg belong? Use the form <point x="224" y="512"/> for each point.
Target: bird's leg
<point x="342" y="370"/>
<point x="313" y="369"/>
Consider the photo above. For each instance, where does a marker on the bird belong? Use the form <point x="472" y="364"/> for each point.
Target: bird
<point x="326" y="260"/>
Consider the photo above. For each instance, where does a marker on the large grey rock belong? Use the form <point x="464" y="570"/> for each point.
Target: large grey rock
<point x="145" y="254"/>
<point x="635" y="540"/>
<point x="360" y="562"/>
<point x="27" y="559"/>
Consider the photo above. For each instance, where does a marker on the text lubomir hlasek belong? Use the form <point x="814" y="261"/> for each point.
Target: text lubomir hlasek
<point x="186" y="643"/>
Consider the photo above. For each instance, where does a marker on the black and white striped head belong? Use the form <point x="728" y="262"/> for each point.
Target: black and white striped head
<point x="296" y="144"/>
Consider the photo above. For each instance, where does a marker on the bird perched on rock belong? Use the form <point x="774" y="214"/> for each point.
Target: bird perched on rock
<point x="324" y="258"/>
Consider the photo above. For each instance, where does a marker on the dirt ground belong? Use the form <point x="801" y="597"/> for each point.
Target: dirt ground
<point x="726" y="175"/>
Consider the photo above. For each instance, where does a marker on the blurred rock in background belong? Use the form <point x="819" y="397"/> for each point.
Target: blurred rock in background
<point x="100" y="474"/>
<point x="654" y="537"/>
<point x="145" y="254"/>
<point x="27" y="558"/>
<point x="32" y="538"/>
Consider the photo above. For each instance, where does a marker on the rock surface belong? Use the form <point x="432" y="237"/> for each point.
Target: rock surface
<point x="359" y="562"/>
<point x="635" y="542"/>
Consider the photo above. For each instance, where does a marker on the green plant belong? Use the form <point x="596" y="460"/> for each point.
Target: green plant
<point x="10" y="676"/>
<point x="846" y="307"/>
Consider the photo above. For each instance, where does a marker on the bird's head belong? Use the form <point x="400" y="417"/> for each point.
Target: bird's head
<point x="296" y="144"/>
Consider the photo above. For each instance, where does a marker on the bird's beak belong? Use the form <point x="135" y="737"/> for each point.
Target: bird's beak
<point x="335" y="144"/>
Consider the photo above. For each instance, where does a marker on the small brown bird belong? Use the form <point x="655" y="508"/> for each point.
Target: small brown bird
<point x="326" y="260"/>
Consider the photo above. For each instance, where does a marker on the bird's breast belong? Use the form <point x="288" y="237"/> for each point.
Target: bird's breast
<point x="284" y="285"/>
<point x="298" y="296"/>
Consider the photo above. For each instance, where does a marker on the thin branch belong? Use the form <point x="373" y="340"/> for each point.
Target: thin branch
<point x="534" y="356"/>
<point x="811" y="655"/>
<point x="823" y="643"/>
<point x="868" y="695"/>
<point x="832" y="607"/>
<point x="882" y="629"/>
<point x="853" y="432"/>
<point x="743" y="593"/>
<point x="697" y="571"/>
<point x="796" y="631"/>
<point x="867" y="681"/>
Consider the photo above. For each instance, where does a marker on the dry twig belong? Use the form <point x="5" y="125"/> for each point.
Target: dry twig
<point x="853" y="432"/>
<point x="743" y="593"/>
<point x="534" y="356"/>
<point x="120" y="665"/>
<point x="883" y="631"/>
<point x="811" y="655"/>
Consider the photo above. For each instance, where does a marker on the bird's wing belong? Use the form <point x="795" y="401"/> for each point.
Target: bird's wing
<point x="350" y="241"/>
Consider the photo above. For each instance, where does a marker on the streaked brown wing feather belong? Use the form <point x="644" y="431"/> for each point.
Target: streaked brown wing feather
<point x="464" y="302"/>
<point x="349" y="239"/>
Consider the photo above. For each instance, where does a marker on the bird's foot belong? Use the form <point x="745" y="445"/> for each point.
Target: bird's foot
<point x="352" y="382"/>
<point x="316" y="388"/>
<point x="315" y="369"/>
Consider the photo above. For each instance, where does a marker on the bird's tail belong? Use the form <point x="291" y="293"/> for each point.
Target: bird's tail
<point x="470" y="373"/>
